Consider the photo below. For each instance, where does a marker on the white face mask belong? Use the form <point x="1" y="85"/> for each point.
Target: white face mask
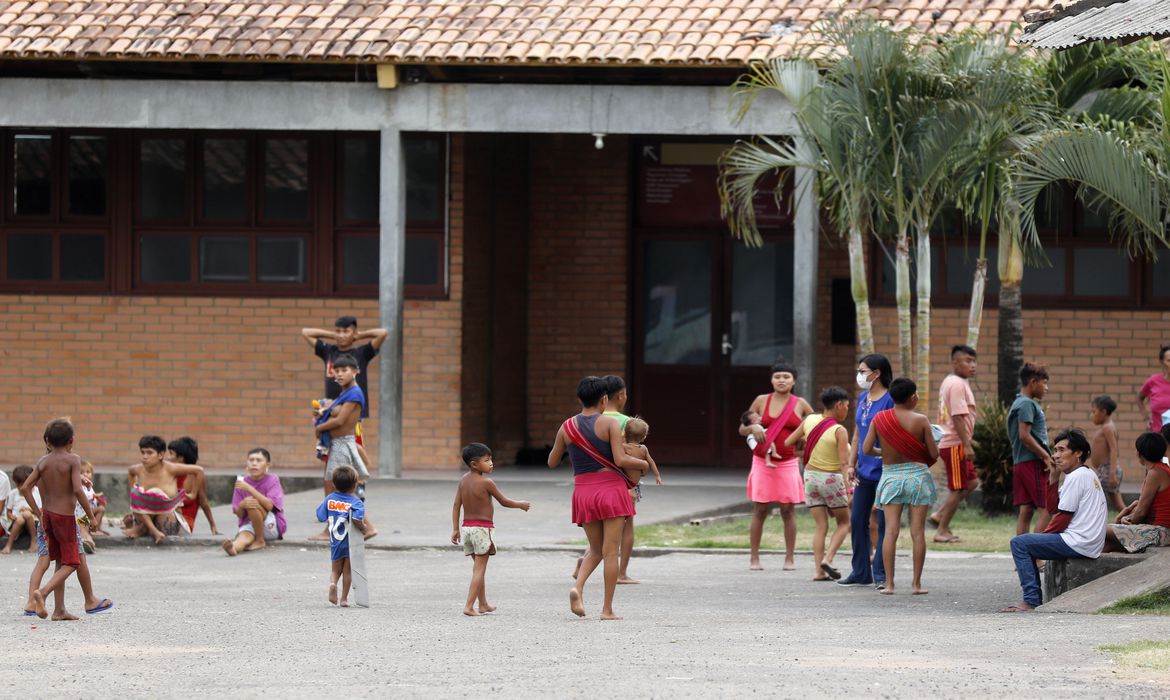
<point x="862" y="382"/>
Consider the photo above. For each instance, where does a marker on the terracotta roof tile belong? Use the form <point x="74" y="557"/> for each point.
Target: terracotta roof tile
<point x="630" y="32"/>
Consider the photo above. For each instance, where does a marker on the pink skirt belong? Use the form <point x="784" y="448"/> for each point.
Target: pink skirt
<point x="600" y="495"/>
<point x="780" y="483"/>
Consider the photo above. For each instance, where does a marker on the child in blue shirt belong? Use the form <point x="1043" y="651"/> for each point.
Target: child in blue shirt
<point x="341" y="510"/>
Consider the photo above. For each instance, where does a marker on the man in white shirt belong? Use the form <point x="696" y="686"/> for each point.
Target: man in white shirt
<point x="1077" y="531"/>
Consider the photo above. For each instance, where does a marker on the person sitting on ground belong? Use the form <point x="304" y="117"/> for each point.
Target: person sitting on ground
<point x="258" y="502"/>
<point x="1077" y="531"/>
<point x="1145" y="522"/>
<point x="5" y="487"/>
<point x="154" y="489"/>
<point x="1106" y="460"/>
<point x="826" y="451"/>
<point x="184" y="450"/>
<point x="339" y="511"/>
<point x="20" y="514"/>
<point x="907" y="450"/>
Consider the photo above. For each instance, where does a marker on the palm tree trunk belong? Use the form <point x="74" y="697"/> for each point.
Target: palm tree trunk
<point x="902" y="278"/>
<point x="975" y="316"/>
<point x="1011" y="319"/>
<point x="922" y="370"/>
<point x="860" y="288"/>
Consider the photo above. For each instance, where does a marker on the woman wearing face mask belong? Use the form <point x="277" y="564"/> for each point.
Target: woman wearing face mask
<point x="874" y="375"/>
<point x="780" y="412"/>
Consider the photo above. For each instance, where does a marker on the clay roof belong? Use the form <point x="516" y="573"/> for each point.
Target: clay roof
<point x="623" y="32"/>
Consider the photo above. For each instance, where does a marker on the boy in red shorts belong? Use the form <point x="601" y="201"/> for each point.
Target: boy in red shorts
<point x="1027" y="429"/>
<point x="59" y="477"/>
<point x="956" y="415"/>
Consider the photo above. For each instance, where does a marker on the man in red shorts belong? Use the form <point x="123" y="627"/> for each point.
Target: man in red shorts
<point x="1027" y="429"/>
<point x="59" y="476"/>
<point x="956" y="416"/>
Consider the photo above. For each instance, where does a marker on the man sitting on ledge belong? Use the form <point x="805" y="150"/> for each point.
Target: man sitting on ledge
<point x="1077" y="531"/>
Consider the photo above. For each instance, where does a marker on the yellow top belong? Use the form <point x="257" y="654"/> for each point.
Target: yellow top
<point x="824" y="455"/>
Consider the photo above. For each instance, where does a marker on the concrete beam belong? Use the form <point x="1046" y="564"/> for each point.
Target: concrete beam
<point x="391" y="299"/>
<point x="585" y="109"/>
<point x="805" y="247"/>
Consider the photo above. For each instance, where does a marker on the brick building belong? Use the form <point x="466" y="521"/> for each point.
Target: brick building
<point x="522" y="192"/>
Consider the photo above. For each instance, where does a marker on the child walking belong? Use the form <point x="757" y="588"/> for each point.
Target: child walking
<point x="474" y="497"/>
<point x="339" y="511"/>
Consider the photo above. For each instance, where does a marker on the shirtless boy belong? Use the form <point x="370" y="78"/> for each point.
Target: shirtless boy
<point x="1104" y="459"/>
<point x="154" y="488"/>
<point x="907" y="451"/>
<point x="59" y="477"/>
<point x="474" y="496"/>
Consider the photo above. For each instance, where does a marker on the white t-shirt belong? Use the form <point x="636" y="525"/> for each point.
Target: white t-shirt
<point x="1081" y="495"/>
<point x="15" y="502"/>
<point x="5" y="487"/>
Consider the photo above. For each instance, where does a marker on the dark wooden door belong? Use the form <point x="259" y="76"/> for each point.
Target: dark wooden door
<point x="710" y="317"/>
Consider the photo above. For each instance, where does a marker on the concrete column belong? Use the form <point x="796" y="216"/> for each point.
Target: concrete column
<point x="806" y="225"/>
<point x="391" y="273"/>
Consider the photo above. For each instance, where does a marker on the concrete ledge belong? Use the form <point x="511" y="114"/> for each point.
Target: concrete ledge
<point x="1088" y="585"/>
<point x="219" y="487"/>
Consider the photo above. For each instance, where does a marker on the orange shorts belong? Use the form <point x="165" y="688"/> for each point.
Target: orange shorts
<point x="960" y="468"/>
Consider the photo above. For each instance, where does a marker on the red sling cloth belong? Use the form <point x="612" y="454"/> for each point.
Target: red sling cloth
<point x="893" y="434"/>
<point x="772" y="434"/>
<point x="577" y="438"/>
<point x="810" y="442"/>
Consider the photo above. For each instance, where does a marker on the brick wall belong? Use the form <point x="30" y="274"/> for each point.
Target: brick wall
<point x="1087" y="352"/>
<point x="231" y="372"/>
<point x="578" y="272"/>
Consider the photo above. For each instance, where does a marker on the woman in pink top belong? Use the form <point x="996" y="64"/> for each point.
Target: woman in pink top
<point x="1156" y="391"/>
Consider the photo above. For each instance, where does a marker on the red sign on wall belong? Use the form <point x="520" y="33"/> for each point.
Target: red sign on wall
<point x="677" y="188"/>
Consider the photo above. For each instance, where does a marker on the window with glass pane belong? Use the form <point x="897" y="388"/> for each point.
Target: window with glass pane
<point x="359" y="260"/>
<point x="32" y="185"/>
<point x="960" y="266"/>
<point x="1047" y="280"/>
<point x="889" y="281"/>
<point x="761" y="304"/>
<point x="360" y="178"/>
<point x="280" y="259"/>
<point x="422" y="262"/>
<point x="166" y="258"/>
<point x="225" y="171"/>
<point x="224" y="259"/>
<point x="1100" y="272"/>
<point x="86" y="170"/>
<point x="162" y="188"/>
<point x="677" y="300"/>
<point x="286" y="179"/>
<point x="1160" y="276"/>
<point x="83" y="257"/>
<point x="30" y="256"/>
<point x="424" y="186"/>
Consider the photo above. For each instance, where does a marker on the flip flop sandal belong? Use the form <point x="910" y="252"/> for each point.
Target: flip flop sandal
<point x="833" y="573"/>
<point x="102" y="606"/>
<point x="29" y="613"/>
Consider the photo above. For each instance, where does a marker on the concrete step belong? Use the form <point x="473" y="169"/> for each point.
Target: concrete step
<point x="1102" y="582"/>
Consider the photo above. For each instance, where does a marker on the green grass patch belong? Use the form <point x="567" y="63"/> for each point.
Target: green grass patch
<point x="1156" y="603"/>
<point x="1145" y="655"/>
<point x="979" y="533"/>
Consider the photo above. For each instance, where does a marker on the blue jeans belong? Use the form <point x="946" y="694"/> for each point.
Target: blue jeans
<point x="863" y="498"/>
<point x="1026" y="549"/>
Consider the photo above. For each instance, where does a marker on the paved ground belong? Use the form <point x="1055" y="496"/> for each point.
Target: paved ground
<point x="189" y="620"/>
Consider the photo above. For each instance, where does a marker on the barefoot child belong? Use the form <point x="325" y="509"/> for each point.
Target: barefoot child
<point x="1032" y="470"/>
<point x="83" y="523"/>
<point x="59" y="475"/>
<point x="20" y="514"/>
<point x="338" y="422"/>
<point x="339" y="511"/>
<point x="258" y="502"/>
<point x="826" y="451"/>
<point x="907" y="450"/>
<point x="154" y="489"/>
<point x="184" y="450"/>
<point x="474" y="496"/>
<point x="1105" y="460"/>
